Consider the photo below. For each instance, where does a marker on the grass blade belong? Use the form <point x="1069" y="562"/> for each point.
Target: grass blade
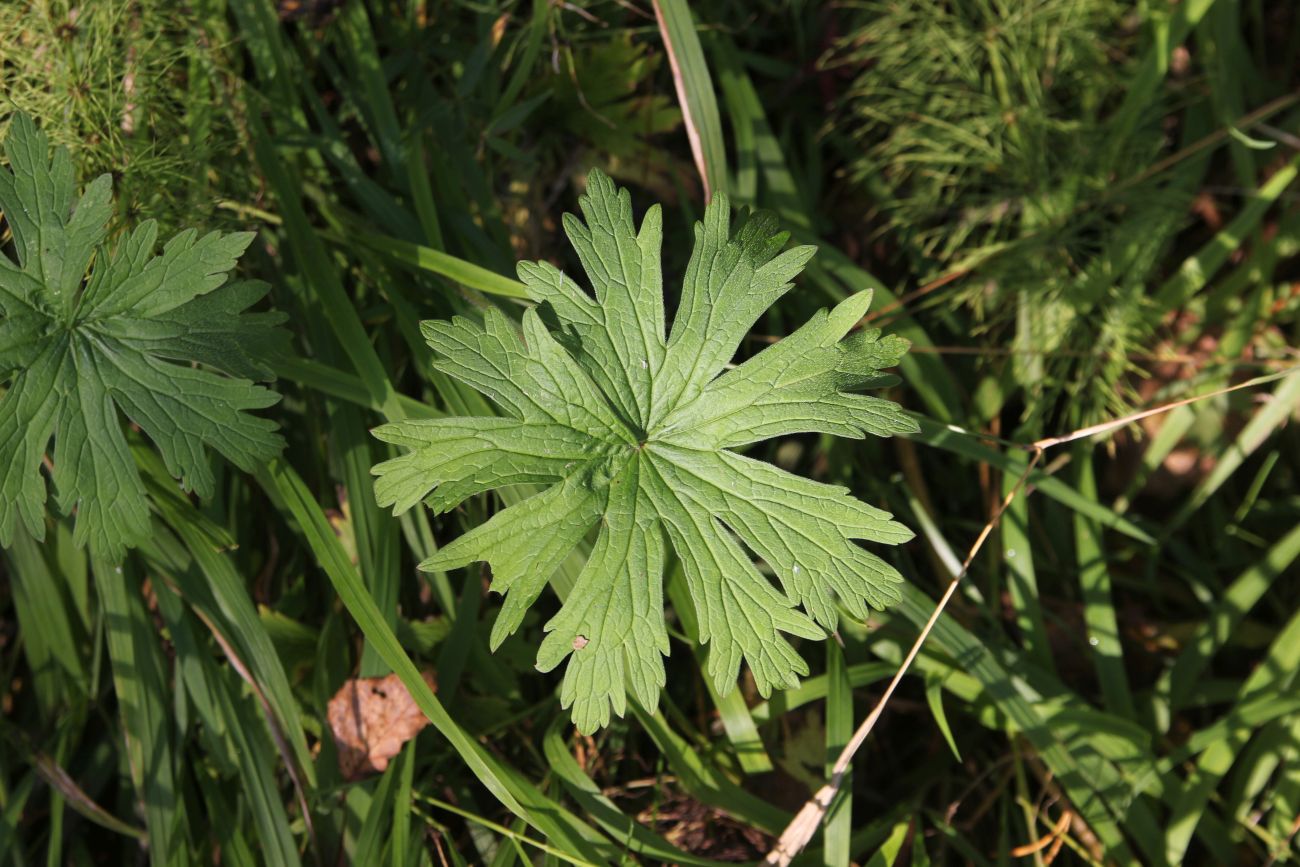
<point x="694" y="92"/>
<point x="837" y="847"/>
<point x="433" y="261"/>
<point x="1098" y="598"/>
<point x="141" y="687"/>
<point x="246" y="733"/>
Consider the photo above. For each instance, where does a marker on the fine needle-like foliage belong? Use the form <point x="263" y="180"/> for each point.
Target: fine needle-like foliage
<point x="85" y="334"/>
<point x="634" y="431"/>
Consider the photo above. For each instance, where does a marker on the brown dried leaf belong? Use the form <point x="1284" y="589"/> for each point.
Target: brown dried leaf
<point x="372" y="718"/>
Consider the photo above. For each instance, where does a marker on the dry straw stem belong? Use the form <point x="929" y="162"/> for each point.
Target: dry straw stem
<point x="805" y="823"/>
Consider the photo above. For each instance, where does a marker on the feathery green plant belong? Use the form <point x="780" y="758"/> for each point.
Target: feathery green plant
<point x="635" y="431"/>
<point x="971" y="143"/>
<point x="603" y="97"/>
<point x="982" y="132"/>
<point x="139" y="89"/>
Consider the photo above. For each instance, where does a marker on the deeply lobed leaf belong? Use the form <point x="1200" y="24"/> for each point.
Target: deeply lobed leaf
<point x="631" y="427"/>
<point x="87" y="336"/>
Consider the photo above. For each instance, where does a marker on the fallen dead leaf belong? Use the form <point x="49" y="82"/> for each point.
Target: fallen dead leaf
<point x="372" y="718"/>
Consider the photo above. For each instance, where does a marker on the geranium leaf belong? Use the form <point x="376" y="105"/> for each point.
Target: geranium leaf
<point x="631" y="428"/>
<point x="90" y="338"/>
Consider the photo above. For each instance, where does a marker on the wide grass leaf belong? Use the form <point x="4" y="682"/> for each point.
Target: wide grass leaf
<point x="631" y="426"/>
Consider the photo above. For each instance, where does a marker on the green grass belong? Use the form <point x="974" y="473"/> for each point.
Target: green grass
<point x="1123" y="649"/>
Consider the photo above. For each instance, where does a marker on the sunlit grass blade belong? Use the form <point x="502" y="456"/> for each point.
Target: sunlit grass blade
<point x="1098" y="598"/>
<point x="732" y="709"/>
<point x="1261" y="426"/>
<point x="1199" y="269"/>
<point x="323" y="280"/>
<point x="706" y="782"/>
<point x="695" y="92"/>
<point x="209" y="582"/>
<point x="53" y="649"/>
<point x="1022" y="582"/>
<point x="1227" y="614"/>
<point x="445" y="265"/>
<point x="1013" y="463"/>
<point x="400" y="837"/>
<point x="1275" y="676"/>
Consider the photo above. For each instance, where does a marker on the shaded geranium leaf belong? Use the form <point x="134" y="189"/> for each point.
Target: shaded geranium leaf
<point x="89" y="336"/>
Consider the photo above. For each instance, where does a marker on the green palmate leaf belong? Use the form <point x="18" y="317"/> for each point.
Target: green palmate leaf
<point x="87" y="335"/>
<point x="632" y="430"/>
